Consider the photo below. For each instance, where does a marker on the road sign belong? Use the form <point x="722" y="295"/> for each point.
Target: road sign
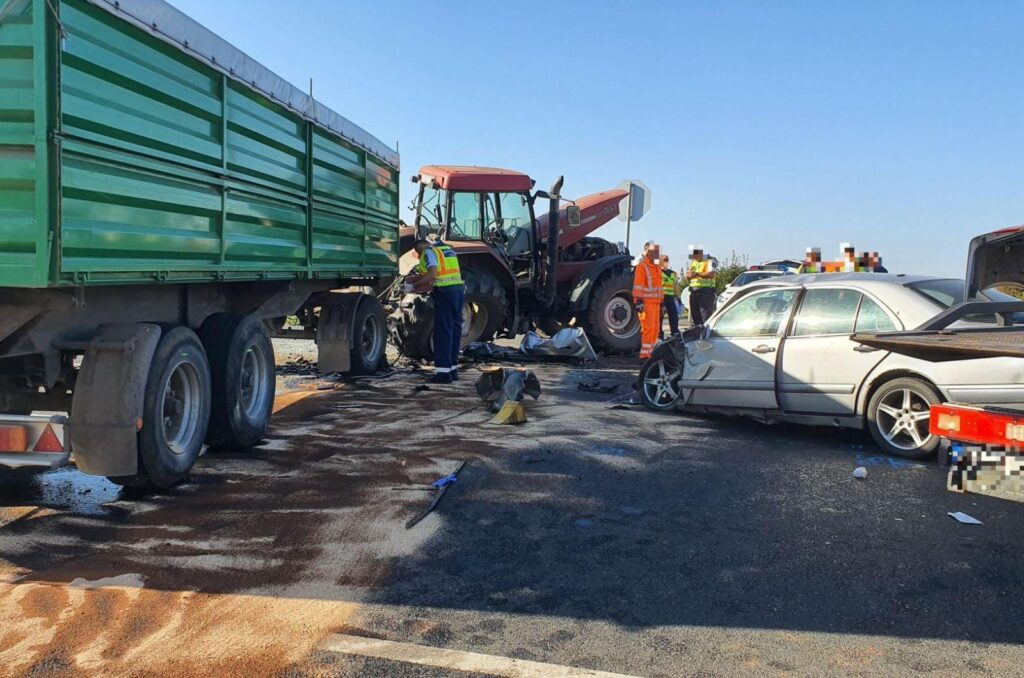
<point x="638" y="201"/>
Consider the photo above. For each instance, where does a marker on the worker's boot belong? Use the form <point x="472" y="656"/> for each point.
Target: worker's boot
<point x="441" y="378"/>
<point x="454" y="374"/>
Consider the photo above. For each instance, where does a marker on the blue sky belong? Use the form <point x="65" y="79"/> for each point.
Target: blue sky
<point x="761" y="128"/>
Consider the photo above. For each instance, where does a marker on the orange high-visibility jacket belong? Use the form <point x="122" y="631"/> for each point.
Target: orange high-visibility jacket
<point x="647" y="281"/>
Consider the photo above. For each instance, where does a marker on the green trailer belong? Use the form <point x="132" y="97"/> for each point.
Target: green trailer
<point x="165" y="201"/>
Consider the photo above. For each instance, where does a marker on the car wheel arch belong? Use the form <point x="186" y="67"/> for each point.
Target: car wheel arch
<point x="883" y="378"/>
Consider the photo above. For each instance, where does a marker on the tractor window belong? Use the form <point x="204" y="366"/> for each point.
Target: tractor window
<point x="466" y="217"/>
<point x="430" y="215"/>
<point x="514" y="222"/>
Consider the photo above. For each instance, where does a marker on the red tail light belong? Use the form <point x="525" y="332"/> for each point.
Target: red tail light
<point x="977" y="425"/>
<point x="48" y="442"/>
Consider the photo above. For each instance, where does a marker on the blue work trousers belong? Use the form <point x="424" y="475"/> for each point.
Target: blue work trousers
<point x="448" y="302"/>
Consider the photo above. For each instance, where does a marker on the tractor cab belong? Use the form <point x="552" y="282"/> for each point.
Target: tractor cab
<point x="482" y="205"/>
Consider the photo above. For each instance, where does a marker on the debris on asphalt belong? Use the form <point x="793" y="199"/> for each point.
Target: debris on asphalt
<point x="860" y="472"/>
<point x="445" y="481"/>
<point x="569" y="342"/>
<point x="441" y="486"/>
<point x="599" y="385"/>
<point x="511" y="412"/>
<point x="420" y="388"/>
<point x="503" y="384"/>
<point x="962" y="517"/>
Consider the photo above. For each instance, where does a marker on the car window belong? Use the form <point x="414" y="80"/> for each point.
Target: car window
<point x="758" y="315"/>
<point x="750" y="276"/>
<point x="948" y="292"/>
<point x="831" y="311"/>
<point x="872" y="318"/>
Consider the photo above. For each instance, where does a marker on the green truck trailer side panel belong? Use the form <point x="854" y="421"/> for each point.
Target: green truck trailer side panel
<point x="170" y="170"/>
<point x="22" y="260"/>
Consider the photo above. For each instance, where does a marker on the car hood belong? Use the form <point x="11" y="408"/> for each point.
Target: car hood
<point x="995" y="259"/>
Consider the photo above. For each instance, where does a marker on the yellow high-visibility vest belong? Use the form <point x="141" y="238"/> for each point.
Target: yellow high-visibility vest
<point x="703" y="266"/>
<point x="448" y="272"/>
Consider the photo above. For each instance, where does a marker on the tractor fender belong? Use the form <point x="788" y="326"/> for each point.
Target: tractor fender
<point x="579" y="300"/>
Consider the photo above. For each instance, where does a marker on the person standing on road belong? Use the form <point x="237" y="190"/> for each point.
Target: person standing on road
<point x="438" y="273"/>
<point x="701" y="275"/>
<point x="670" y="287"/>
<point x="647" y="295"/>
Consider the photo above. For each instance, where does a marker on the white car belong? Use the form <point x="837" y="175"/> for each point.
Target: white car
<point x="781" y="351"/>
<point x="745" y="278"/>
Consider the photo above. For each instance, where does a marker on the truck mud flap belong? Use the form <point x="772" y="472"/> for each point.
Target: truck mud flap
<point x="106" y="411"/>
<point x="334" y="333"/>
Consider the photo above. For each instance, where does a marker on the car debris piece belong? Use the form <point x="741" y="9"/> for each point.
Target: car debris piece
<point x="962" y="517"/>
<point x="599" y="385"/>
<point x="511" y="412"/>
<point x="441" y="486"/>
<point x="860" y="472"/>
<point x="501" y="384"/>
<point x="569" y="342"/>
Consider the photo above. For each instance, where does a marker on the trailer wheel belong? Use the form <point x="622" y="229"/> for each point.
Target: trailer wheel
<point x="175" y="411"/>
<point x="369" y="336"/>
<point x="897" y="418"/>
<point x="243" y="377"/>
<point x="611" y="322"/>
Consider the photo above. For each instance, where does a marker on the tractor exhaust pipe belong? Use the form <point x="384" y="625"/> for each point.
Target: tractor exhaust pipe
<point x="554" y="233"/>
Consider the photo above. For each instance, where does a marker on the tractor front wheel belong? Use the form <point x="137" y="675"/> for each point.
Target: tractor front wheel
<point x="610" y="321"/>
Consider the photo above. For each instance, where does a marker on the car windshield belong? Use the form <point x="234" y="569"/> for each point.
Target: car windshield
<point x="748" y="277"/>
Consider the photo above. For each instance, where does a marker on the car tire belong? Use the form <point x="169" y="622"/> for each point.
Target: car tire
<point x="175" y="412"/>
<point x="658" y="383"/>
<point x="895" y="407"/>
<point x="243" y="379"/>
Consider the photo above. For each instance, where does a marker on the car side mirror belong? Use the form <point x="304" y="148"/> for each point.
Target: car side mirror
<point x="573" y="216"/>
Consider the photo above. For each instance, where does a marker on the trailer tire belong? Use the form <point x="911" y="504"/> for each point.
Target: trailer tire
<point x="369" y="336"/>
<point x="175" y="411"/>
<point x="243" y="379"/>
<point x="611" y="322"/>
<point x="897" y="400"/>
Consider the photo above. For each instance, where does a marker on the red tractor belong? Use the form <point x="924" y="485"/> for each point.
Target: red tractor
<point x="515" y="281"/>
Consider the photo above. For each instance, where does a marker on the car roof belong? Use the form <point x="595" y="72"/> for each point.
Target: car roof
<point x="912" y="308"/>
<point x="856" y="279"/>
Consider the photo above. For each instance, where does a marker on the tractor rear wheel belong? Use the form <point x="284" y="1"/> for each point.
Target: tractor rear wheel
<point x="486" y="306"/>
<point x="412" y="324"/>
<point x="611" y="322"/>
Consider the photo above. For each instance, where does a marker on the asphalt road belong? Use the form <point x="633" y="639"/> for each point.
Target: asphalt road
<point x="617" y="540"/>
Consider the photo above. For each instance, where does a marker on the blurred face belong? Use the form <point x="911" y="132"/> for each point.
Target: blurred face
<point x="698" y="255"/>
<point x="653" y="253"/>
<point x="420" y="247"/>
<point x="664" y="262"/>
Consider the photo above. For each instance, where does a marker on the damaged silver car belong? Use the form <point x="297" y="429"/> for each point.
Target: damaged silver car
<point x="781" y="351"/>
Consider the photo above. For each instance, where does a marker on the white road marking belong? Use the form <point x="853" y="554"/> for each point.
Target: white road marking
<point x="455" y="660"/>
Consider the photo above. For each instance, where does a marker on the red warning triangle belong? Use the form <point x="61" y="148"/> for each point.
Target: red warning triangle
<point x="48" y="442"/>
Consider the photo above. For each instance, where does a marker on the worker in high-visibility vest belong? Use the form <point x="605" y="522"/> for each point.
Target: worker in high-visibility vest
<point x="670" y="289"/>
<point x="438" y="273"/>
<point x="647" y="295"/>
<point x="701" y="274"/>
